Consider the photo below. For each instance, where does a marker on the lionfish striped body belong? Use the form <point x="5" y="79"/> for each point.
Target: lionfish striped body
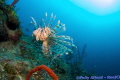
<point x="47" y="33"/>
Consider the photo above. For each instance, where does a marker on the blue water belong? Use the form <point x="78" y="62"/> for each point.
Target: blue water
<point x="100" y="32"/>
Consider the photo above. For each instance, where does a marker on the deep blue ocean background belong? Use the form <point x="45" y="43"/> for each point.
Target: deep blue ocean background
<point x="98" y="28"/>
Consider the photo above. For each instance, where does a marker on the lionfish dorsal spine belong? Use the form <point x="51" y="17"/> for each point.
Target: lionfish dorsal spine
<point x="52" y="18"/>
<point x="46" y="14"/>
<point x="58" y="22"/>
<point x="34" y="22"/>
<point x="44" y="24"/>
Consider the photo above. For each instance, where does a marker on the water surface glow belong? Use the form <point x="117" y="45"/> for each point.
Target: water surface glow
<point x="99" y="7"/>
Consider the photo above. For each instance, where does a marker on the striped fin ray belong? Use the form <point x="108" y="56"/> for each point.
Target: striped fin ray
<point x="66" y="43"/>
<point x="46" y="19"/>
<point x="60" y="49"/>
<point x="51" y="20"/>
<point x="34" y="22"/>
<point x="63" y="37"/>
<point x="58" y="28"/>
<point x="44" y="23"/>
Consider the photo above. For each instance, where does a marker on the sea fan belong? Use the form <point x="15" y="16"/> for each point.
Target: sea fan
<point x="47" y="33"/>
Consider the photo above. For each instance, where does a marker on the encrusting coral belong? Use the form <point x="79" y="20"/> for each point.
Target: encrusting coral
<point x="9" y="22"/>
<point x="49" y="71"/>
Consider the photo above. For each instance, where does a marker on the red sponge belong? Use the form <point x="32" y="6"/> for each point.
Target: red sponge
<point x="49" y="71"/>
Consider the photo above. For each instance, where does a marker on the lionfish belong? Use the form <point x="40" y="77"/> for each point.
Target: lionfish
<point x="47" y="32"/>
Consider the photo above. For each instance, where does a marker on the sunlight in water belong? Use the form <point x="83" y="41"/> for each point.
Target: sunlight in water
<point x="99" y="7"/>
<point x="102" y="3"/>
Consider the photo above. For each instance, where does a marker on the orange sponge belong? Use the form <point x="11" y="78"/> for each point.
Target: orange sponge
<point x="49" y="71"/>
